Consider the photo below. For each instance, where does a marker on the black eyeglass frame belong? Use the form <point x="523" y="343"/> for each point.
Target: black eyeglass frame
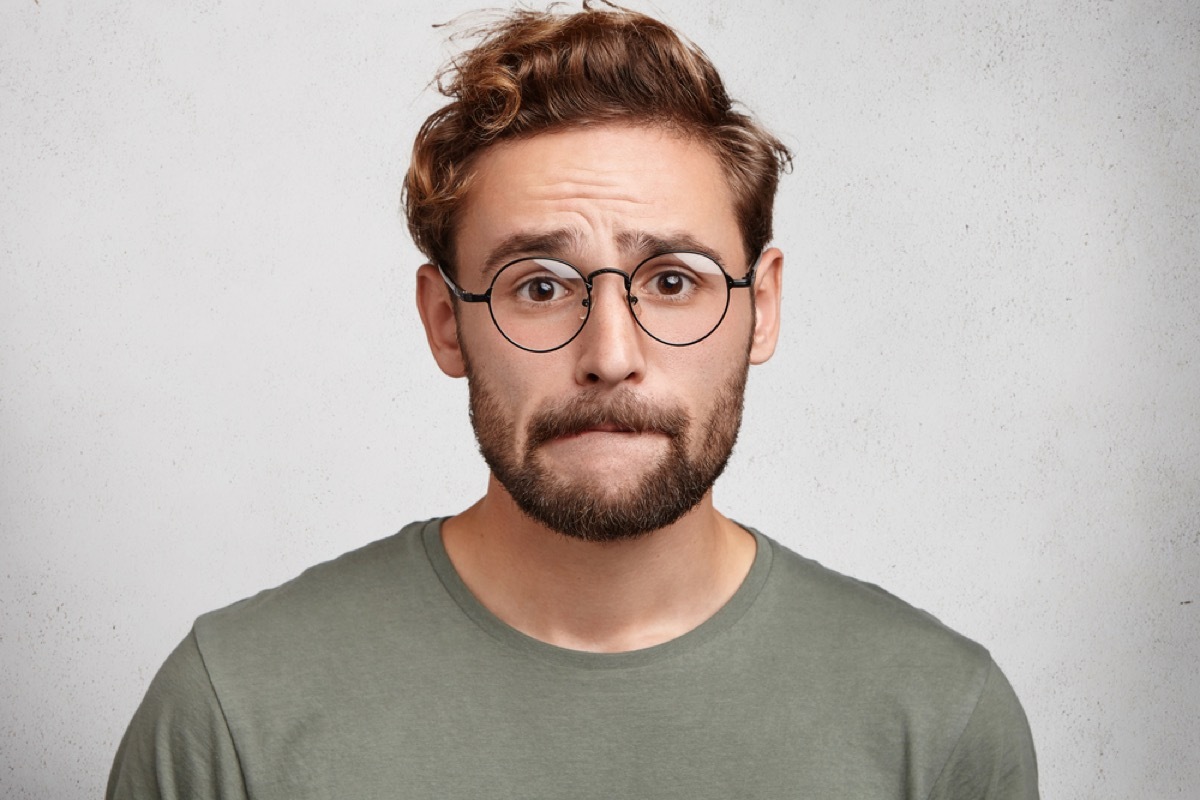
<point x="486" y="297"/>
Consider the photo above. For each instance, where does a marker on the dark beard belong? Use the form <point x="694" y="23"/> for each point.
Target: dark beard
<point x="671" y="489"/>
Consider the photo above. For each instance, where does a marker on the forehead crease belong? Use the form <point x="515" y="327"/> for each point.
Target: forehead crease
<point x="591" y="186"/>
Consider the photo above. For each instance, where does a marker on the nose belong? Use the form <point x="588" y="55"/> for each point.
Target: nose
<point x="610" y="344"/>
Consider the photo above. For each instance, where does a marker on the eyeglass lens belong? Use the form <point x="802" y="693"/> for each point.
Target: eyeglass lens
<point x="542" y="303"/>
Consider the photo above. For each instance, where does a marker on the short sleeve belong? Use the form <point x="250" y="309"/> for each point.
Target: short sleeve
<point x="178" y="746"/>
<point x="994" y="756"/>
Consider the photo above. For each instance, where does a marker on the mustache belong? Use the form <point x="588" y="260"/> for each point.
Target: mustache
<point x="585" y="412"/>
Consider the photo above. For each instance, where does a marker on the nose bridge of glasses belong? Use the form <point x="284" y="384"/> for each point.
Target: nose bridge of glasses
<point x="590" y="278"/>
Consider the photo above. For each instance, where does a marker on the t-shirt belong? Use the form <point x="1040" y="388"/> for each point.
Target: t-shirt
<point x="379" y="675"/>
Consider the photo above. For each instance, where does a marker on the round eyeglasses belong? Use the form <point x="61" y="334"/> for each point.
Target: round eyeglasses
<point x="541" y="304"/>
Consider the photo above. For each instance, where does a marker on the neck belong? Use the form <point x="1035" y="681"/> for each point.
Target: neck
<point x="597" y="596"/>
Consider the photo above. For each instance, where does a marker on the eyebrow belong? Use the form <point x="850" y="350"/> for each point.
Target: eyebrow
<point x="562" y="242"/>
<point x="644" y="245"/>
<point x="556" y="243"/>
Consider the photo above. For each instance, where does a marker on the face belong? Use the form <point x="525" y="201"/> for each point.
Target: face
<point x="616" y="434"/>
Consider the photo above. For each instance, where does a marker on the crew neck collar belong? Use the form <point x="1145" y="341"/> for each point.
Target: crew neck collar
<point x="725" y="617"/>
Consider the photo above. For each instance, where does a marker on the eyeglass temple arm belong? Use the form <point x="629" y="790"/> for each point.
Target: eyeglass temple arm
<point x="734" y="283"/>
<point x="466" y="297"/>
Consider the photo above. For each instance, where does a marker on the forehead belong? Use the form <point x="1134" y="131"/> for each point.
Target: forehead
<point x="611" y="187"/>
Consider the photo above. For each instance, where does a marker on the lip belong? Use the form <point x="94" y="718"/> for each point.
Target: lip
<point x="606" y="428"/>
<point x="609" y="427"/>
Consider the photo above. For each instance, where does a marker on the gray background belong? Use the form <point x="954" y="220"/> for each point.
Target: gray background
<point x="986" y="398"/>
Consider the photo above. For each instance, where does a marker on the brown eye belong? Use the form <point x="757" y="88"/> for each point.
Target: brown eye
<point x="541" y="290"/>
<point x="667" y="284"/>
<point x="670" y="283"/>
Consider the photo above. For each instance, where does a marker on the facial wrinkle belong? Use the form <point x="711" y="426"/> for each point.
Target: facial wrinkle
<point x="594" y="190"/>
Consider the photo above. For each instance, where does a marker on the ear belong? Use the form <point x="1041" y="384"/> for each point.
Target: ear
<point x="768" y="291"/>
<point x="437" y="315"/>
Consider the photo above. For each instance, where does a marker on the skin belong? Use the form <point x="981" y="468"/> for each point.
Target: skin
<point x="601" y="183"/>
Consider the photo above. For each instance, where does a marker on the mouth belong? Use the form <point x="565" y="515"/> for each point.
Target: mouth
<point x="627" y="417"/>
<point x="609" y="427"/>
<point x="603" y="427"/>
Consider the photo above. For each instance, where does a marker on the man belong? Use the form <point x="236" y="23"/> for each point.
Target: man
<point x="596" y="217"/>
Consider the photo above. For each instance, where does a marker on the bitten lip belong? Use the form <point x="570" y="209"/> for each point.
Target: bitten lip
<point x="604" y="427"/>
<point x="609" y="427"/>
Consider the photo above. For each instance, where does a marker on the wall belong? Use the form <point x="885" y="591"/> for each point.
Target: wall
<point x="987" y="397"/>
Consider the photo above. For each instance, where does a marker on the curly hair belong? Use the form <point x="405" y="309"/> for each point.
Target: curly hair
<point x="539" y="71"/>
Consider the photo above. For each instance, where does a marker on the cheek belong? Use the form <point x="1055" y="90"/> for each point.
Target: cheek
<point x="517" y="385"/>
<point x="703" y="376"/>
<point x="695" y="378"/>
<point x="738" y="326"/>
<point x="473" y="324"/>
<point x="728" y="348"/>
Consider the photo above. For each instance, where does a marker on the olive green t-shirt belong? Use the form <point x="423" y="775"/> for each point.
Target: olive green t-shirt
<point x="379" y="675"/>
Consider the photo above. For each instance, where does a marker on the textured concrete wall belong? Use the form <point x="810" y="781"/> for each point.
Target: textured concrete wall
<point x="987" y="398"/>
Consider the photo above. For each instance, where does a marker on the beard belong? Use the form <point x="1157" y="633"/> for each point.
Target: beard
<point x="696" y="455"/>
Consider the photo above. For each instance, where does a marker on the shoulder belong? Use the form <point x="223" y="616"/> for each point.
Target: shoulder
<point x="328" y="589"/>
<point x="178" y="743"/>
<point x="894" y="674"/>
<point x="856" y="615"/>
<point x="324" y="612"/>
<point x="857" y="641"/>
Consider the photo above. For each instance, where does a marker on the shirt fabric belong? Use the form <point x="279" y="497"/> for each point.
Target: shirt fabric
<point x="379" y="675"/>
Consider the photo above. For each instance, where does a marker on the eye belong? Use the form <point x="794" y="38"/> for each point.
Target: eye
<point x="670" y="284"/>
<point x="679" y="279"/>
<point x="541" y="289"/>
<point x="667" y="281"/>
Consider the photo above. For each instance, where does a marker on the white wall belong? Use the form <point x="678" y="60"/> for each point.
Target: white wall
<point x="987" y="398"/>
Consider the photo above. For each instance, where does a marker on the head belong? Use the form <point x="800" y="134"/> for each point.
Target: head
<point x="538" y="72"/>
<point x="595" y="137"/>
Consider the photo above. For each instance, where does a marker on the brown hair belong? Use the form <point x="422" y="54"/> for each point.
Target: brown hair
<point x="539" y="71"/>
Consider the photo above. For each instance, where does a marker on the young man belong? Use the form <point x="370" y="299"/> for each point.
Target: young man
<point x="596" y="218"/>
